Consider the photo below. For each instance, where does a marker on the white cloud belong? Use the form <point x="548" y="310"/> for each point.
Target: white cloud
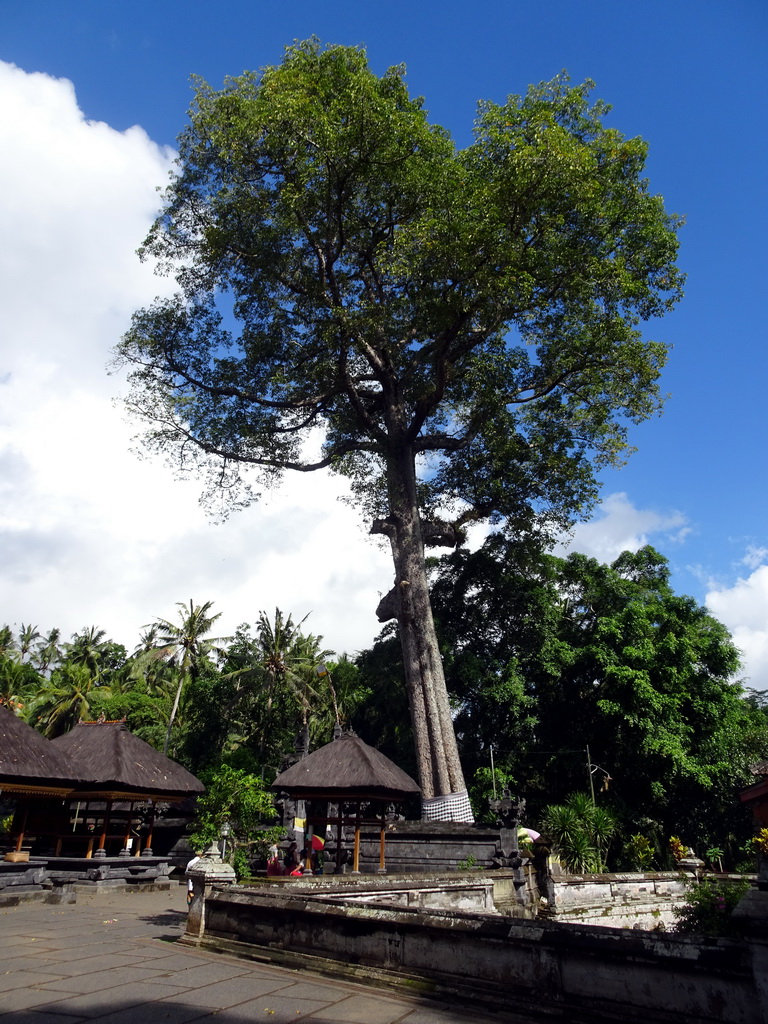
<point x="743" y="608"/>
<point x="620" y="526"/>
<point x="755" y="556"/>
<point x="89" y="534"/>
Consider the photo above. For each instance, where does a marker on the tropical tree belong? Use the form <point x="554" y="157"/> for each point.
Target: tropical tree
<point x="340" y="693"/>
<point x="546" y="656"/>
<point x="27" y="637"/>
<point x="460" y="325"/>
<point x="92" y="649"/>
<point x="145" y="714"/>
<point x="382" y="717"/>
<point x="277" y="686"/>
<point x="239" y="800"/>
<point x="186" y="644"/>
<point x="62" y="700"/>
<point x="48" y="651"/>
<point x="287" y="655"/>
<point x="18" y="683"/>
<point x="7" y="642"/>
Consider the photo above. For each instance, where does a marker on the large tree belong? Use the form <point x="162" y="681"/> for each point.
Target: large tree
<point x="546" y="656"/>
<point x="459" y="327"/>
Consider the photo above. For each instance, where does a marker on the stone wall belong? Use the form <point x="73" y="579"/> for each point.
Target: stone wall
<point x="620" y="900"/>
<point x="537" y="968"/>
<point x="623" y="900"/>
<point x="437" y="846"/>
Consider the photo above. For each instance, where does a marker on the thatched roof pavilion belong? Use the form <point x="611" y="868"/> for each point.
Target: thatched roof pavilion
<point x="105" y="775"/>
<point x="29" y="763"/>
<point x="351" y="775"/>
<point x="347" y="769"/>
<point x="117" y="764"/>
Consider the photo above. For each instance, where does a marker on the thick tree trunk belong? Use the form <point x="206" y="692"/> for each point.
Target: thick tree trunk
<point x="440" y="775"/>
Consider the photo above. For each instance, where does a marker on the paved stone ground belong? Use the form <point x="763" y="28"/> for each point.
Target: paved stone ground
<point x="111" y="958"/>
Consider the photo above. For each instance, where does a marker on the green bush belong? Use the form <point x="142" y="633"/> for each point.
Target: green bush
<point x="238" y="799"/>
<point x="708" y="907"/>
<point x="581" y="832"/>
<point x="241" y="863"/>
<point x="640" y="852"/>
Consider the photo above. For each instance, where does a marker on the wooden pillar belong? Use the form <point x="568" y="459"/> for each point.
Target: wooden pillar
<point x="382" y="840"/>
<point x="101" y="852"/>
<point x="23" y="827"/>
<point x="126" y="838"/>
<point x="356" y="854"/>
<point x="339" y="833"/>
<point x="309" y="831"/>
<point x="148" y="844"/>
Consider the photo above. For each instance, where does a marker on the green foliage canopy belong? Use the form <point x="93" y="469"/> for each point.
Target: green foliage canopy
<point x="375" y="272"/>
<point x="458" y="327"/>
<point x="545" y="655"/>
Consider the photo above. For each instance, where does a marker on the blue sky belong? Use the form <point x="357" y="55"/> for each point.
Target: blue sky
<point x="687" y="76"/>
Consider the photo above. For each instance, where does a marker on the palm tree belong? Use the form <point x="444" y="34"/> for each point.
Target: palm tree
<point x="62" y="700"/>
<point x="7" y="642"/>
<point x="150" y="663"/>
<point x="277" y="667"/>
<point x="184" y="644"/>
<point x="27" y="637"/>
<point x="88" y="648"/>
<point x="48" y="652"/>
<point x="16" y="683"/>
<point x="290" y="657"/>
<point x="339" y="693"/>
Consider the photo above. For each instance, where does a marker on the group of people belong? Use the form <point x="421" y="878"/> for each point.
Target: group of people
<point x="289" y="862"/>
<point x="293" y="862"/>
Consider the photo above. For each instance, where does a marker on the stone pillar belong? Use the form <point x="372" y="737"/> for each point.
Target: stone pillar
<point x="692" y="863"/>
<point x="509" y="815"/>
<point x="208" y="871"/>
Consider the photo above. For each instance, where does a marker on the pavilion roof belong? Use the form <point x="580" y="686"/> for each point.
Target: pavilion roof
<point x="346" y="769"/>
<point x="28" y="757"/>
<point x="110" y="758"/>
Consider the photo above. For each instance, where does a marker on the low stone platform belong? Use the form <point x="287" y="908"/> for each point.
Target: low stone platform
<point x="537" y="967"/>
<point x="44" y="872"/>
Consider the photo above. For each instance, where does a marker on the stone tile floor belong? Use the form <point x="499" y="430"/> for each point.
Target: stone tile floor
<point x="111" y="958"/>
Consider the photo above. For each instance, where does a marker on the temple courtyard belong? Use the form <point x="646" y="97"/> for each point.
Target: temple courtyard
<point x="113" y="957"/>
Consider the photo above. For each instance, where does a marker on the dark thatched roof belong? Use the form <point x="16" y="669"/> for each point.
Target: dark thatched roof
<point x="346" y="769"/>
<point x="108" y="756"/>
<point x="26" y="756"/>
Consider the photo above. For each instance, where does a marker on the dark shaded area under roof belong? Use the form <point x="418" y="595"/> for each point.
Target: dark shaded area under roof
<point x="25" y="755"/>
<point x="346" y="769"/>
<point x="107" y="755"/>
